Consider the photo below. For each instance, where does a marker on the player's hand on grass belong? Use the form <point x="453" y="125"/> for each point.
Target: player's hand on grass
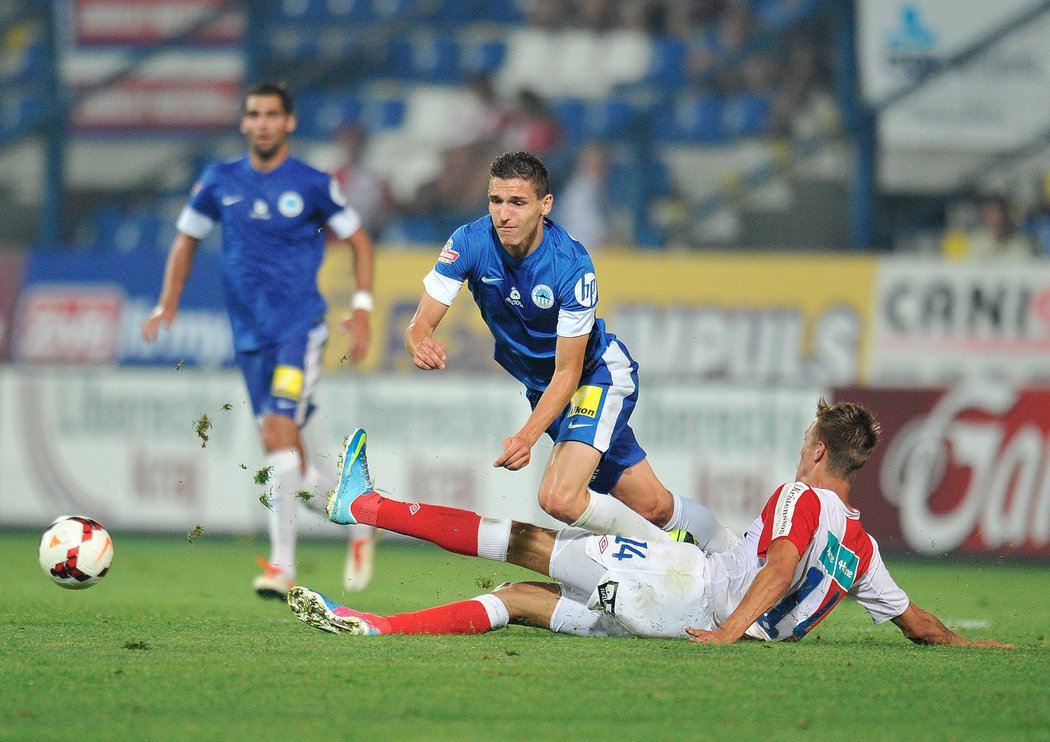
<point x="159" y="316"/>
<point x="360" y="334"/>
<point x="429" y="355"/>
<point x="703" y="636"/>
<point x="516" y="454"/>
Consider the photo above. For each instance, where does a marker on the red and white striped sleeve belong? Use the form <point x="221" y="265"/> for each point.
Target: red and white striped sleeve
<point x="792" y="512"/>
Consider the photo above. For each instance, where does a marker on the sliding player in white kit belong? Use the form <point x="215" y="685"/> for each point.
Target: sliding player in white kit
<point x="537" y="290"/>
<point x="804" y="552"/>
<point x="274" y="209"/>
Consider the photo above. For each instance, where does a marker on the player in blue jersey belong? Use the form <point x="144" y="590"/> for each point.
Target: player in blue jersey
<point x="537" y="291"/>
<point x="274" y="209"/>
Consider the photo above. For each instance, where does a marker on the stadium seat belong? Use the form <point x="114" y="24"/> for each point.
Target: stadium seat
<point x="481" y="57"/>
<point x="357" y="12"/>
<point x="572" y="115"/>
<point x="667" y="67"/>
<point x="747" y="114"/>
<point x="300" y="10"/>
<point x="381" y="113"/>
<point x="608" y="119"/>
<point x="425" y="58"/>
<point x="691" y="119"/>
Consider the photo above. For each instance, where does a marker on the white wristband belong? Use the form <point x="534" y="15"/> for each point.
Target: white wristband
<point x="362" y="300"/>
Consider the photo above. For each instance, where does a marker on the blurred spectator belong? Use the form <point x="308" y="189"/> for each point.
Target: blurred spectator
<point x="533" y="128"/>
<point x="583" y="204"/>
<point x="366" y="191"/>
<point x="1037" y="223"/>
<point x="997" y="236"/>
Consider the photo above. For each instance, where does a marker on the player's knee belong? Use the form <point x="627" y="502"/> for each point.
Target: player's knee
<point x="562" y="504"/>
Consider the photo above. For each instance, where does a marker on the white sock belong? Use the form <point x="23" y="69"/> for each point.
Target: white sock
<point x="498" y="614"/>
<point x="699" y="520"/>
<point x="606" y="514"/>
<point x="286" y="481"/>
<point x="494" y="539"/>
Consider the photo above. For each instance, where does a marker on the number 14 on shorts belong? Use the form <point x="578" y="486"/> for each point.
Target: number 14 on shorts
<point x="629" y="548"/>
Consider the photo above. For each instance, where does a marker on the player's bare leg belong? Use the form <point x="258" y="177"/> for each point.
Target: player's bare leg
<point x="565" y="495"/>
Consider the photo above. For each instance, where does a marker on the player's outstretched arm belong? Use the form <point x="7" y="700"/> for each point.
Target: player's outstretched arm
<point x="769" y="586"/>
<point x="922" y="627"/>
<point x="426" y="352"/>
<point x="176" y="272"/>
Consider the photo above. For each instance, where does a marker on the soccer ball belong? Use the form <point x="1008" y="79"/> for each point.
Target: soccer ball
<point x="76" y="552"/>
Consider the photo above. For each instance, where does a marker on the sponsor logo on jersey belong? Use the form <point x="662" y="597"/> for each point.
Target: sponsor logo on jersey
<point x="543" y="297"/>
<point x="287" y="382"/>
<point x="586" y="401"/>
<point x="491" y="279"/>
<point x="260" y="210"/>
<point x="839" y="562"/>
<point x="587" y="290"/>
<point x="573" y="426"/>
<point x="231" y="200"/>
<point x="515" y="297"/>
<point x="786" y="509"/>
<point x="448" y="255"/>
<point x="290" y="204"/>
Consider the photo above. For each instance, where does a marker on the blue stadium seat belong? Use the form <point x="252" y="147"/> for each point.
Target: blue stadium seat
<point x="358" y="12"/>
<point x="608" y="119"/>
<point x="301" y="10"/>
<point x="667" y="68"/>
<point x="381" y="113"/>
<point x="691" y="119"/>
<point x="747" y="114"/>
<point x="572" y="115"/>
<point x="481" y="57"/>
<point x="425" y="58"/>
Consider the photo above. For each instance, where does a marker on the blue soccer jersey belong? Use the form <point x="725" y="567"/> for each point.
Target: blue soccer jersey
<point x="527" y="303"/>
<point x="272" y="243"/>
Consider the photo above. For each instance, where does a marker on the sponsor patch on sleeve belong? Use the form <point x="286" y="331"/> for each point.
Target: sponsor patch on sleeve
<point x="448" y="255"/>
<point x="585" y="401"/>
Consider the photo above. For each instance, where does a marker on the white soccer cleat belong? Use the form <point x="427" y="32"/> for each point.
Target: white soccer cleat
<point x="273" y="583"/>
<point x="360" y="563"/>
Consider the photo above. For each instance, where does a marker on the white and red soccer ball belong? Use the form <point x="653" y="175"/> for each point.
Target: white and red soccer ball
<point x="75" y="552"/>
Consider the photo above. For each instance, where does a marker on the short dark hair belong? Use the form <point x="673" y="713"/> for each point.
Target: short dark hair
<point x="522" y="165"/>
<point x="268" y="88"/>
<point x="849" y="432"/>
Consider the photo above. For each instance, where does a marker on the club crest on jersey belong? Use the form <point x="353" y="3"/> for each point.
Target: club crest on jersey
<point x="515" y="297"/>
<point x="448" y="255"/>
<point x="543" y="297"/>
<point x="587" y="290"/>
<point x="260" y="210"/>
<point x="290" y="204"/>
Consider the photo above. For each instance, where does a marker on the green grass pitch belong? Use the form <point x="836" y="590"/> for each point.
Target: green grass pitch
<point x="174" y="645"/>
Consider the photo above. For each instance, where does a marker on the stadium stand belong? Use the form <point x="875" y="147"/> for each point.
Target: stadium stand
<point x="702" y="106"/>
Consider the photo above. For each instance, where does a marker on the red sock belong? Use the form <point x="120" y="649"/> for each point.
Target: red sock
<point x="452" y="529"/>
<point x="464" y="617"/>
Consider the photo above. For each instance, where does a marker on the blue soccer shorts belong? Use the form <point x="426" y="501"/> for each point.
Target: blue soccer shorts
<point x="599" y="412"/>
<point x="282" y="378"/>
